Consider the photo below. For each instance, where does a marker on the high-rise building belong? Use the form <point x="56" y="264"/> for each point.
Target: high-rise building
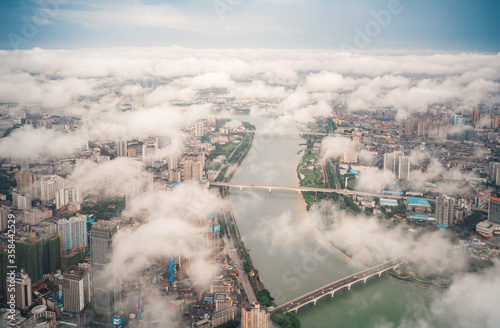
<point x="445" y="209"/>
<point x="48" y="185"/>
<point x="397" y="163"/>
<point x="255" y="316"/>
<point x="106" y="292"/>
<point x="21" y="199"/>
<point x="422" y="128"/>
<point x="219" y="123"/>
<point x="213" y="238"/>
<point x="199" y="129"/>
<point x="201" y="159"/>
<point x="51" y="254"/>
<point x="494" y="172"/>
<point x="173" y="162"/>
<point x="187" y="169"/>
<point x="409" y="128"/>
<point x="135" y="188"/>
<point x="27" y="181"/>
<point x="404" y="168"/>
<point x="76" y="289"/>
<point x="162" y="142"/>
<point x="4" y="217"/>
<point x="197" y="173"/>
<point x="174" y="176"/>
<point x="494" y="210"/>
<point x="69" y="194"/>
<point x="22" y="290"/>
<point x="122" y="148"/>
<point x="73" y="232"/>
<point x="148" y="152"/>
<point x="30" y="258"/>
<point x="476" y="115"/>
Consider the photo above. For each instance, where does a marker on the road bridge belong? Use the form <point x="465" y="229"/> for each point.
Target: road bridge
<point x="298" y="189"/>
<point x="330" y="289"/>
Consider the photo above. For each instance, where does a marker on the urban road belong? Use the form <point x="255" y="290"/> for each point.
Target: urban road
<point x="302" y="189"/>
<point x="331" y="288"/>
<point x="233" y="254"/>
<point x="242" y="277"/>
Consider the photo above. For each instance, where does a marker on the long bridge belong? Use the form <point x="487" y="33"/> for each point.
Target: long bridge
<point x="330" y="289"/>
<point x="270" y="188"/>
<point x="282" y="133"/>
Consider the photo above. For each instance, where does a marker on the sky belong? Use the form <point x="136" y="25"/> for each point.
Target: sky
<point x="458" y="25"/>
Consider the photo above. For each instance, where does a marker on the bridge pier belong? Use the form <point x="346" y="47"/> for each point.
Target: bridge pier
<point x="380" y="274"/>
<point x="241" y="188"/>
<point x="349" y="287"/>
<point x="314" y="302"/>
<point x="365" y="280"/>
<point x="296" y="310"/>
<point x="332" y="294"/>
<point x="300" y="192"/>
<point x="270" y="190"/>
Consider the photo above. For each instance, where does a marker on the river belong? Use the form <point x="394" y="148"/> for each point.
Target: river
<point x="293" y="257"/>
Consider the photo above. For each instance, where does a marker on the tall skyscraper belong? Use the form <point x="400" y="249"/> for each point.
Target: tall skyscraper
<point x="173" y="162"/>
<point x="106" y="291"/>
<point x="213" y="238"/>
<point x="122" y="148"/>
<point x="494" y="210"/>
<point x="21" y="199"/>
<point x="51" y="253"/>
<point x="4" y="217"/>
<point x="162" y="142"/>
<point x="494" y="172"/>
<point x="445" y="207"/>
<point x="27" y="181"/>
<point x="188" y="170"/>
<point x="476" y="115"/>
<point x="148" y="152"/>
<point x="197" y="174"/>
<point x="136" y="187"/>
<point x="29" y="256"/>
<point x="201" y="159"/>
<point x="199" y="129"/>
<point x="397" y="163"/>
<point x="409" y="128"/>
<point x="48" y="185"/>
<point x="22" y="292"/>
<point x="219" y="123"/>
<point x="404" y="168"/>
<point x="174" y="176"/>
<point x="255" y="316"/>
<point x="76" y="289"/>
<point x="69" y="194"/>
<point x="73" y="232"/>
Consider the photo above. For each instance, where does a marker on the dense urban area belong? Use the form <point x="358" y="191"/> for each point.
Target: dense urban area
<point x="437" y="170"/>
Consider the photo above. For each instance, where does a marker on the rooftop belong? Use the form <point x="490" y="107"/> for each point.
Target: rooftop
<point x="418" y="202"/>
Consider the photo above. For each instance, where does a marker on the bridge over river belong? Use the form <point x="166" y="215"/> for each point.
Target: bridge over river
<point x="270" y="188"/>
<point x="330" y="289"/>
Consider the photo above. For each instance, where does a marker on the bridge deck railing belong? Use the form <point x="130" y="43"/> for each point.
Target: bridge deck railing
<point x="377" y="267"/>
